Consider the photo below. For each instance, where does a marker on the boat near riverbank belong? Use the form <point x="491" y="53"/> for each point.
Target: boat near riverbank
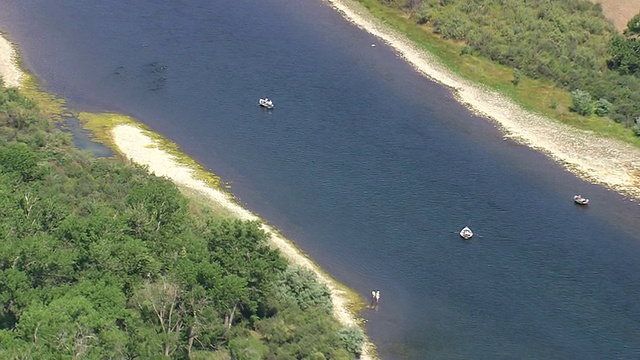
<point x="580" y="200"/>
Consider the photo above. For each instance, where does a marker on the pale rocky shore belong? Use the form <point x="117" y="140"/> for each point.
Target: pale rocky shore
<point x="9" y="70"/>
<point x="608" y="162"/>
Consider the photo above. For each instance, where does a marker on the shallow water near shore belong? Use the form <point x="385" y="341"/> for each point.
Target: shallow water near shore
<point x="83" y="139"/>
<point x="368" y="167"/>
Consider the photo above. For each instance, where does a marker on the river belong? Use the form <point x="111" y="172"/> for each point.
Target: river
<point x="367" y="166"/>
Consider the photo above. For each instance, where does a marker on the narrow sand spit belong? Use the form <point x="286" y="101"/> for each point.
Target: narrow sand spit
<point x="9" y="70"/>
<point x="142" y="149"/>
<point x="611" y="163"/>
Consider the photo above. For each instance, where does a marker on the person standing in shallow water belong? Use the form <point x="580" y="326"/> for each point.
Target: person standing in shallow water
<point x="375" y="298"/>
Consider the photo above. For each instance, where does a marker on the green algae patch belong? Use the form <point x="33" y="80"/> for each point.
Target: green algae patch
<point x="100" y="126"/>
<point x="49" y="104"/>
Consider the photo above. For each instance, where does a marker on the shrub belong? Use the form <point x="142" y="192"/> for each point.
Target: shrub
<point x="352" y="339"/>
<point x="249" y="348"/>
<point x="636" y="126"/>
<point x="19" y="158"/>
<point x="517" y="76"/>
<point x="603" y="107"/>
<point x="300" y="286"/>
<point x="581" y="102"/>
<point x="208" y="355"/>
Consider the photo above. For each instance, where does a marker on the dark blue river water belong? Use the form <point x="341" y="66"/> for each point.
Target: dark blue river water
<point x="367" y="166"/>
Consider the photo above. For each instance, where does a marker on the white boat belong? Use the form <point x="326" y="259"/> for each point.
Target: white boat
<point x="578" y="199"/>
<point x="466" y="233"/>
<point x="266" y="103"/>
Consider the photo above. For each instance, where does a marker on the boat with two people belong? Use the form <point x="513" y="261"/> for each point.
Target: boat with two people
<point x="578" y="199"/>
<point x="266" y="103"/>
<point x="466" y="233"/>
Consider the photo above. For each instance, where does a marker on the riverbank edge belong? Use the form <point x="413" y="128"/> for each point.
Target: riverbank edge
<point x="10" y="72"/>
<point x="134" y="142"/>
<point x="597" y="159"/>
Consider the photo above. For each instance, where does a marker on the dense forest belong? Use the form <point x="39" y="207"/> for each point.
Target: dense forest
<point x="568" y="42"/>
<point x="100" y="260"/>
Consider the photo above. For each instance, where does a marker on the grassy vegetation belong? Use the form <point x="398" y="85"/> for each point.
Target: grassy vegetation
<point x="538" y="95"/>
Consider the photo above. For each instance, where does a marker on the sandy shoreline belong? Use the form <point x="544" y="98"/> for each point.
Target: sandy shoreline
<point x="9" y="70"/>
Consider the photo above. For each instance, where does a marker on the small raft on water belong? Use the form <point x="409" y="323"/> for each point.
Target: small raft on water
<point x="266" y="103"/>
<point x="578" y="199"/>
<point x="466" y="233"/>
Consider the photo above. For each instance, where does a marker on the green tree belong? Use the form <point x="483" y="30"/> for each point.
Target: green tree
<point x="67" y="326"/>
<point x="12" y="347"/>
<point x="581" y="102"/>
<point x="156" y="203"/>
<point x="352" y="339"/>
<point x="300" y="286"/>
<point x="602" y="107"/>
<point x="517" y="76"/>
<point x="161" y="303"/>
<point x="19" y="158"/>
<point x="241" y="249"/>
<point x="624" y="54"/>
<point x="201" y="320"/>
<point x="247" y="348"/>
<point x="636" y="127"/>
<point x="633" y="26"/>
<point x="15" y="295"/>
<point x="231" y="293"/>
